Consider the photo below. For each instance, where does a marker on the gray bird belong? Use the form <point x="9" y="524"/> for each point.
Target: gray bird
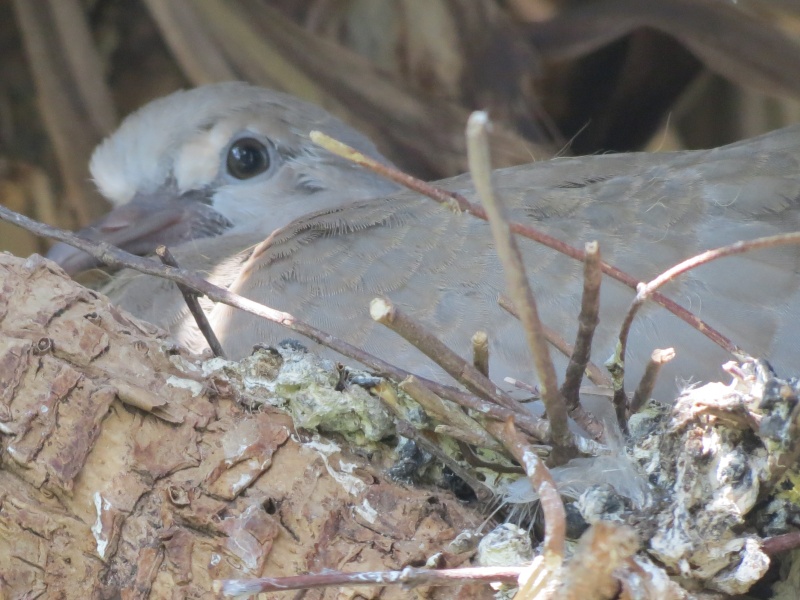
<point x="214" y="171"/>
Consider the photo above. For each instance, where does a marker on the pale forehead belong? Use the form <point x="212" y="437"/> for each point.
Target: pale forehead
<point x="140" y="156"/>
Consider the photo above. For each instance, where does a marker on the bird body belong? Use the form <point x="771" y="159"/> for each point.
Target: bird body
<point x="338" y="236"/>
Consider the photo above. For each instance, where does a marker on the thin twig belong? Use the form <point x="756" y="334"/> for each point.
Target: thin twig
<point x="645" y="388"/>
<point x="517" y="282"/>
<point x="582" y="351"/>
<point x="480" y="352"/>
<point x="408" y="577"/>
<point x="555" y="524"/>
<point x="116" y="258"/>
<point x="587" y="323"/>
<point x="190" y="297"/>
<point x="644" y="291"/>
<point x="527" y="422"/>
<point x="595" y="374"/>
<point x="521" y="385"/>
<point x="451" y="414"/>
<point x="772" y="546"/>
<point x="464" y="205"/>
<point x="477" y="462"/>
<point x="383" y="311"/>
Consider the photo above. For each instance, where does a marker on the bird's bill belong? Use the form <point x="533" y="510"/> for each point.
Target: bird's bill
<point x="139" y="227"/>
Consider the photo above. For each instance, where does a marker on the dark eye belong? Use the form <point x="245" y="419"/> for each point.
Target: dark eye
<point x="247" y="158"/>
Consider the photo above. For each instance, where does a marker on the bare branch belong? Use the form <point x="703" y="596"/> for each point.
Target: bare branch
<point x="587" y="323"/>
<point x="642" y="394"/>
<point x="464" y="205"/>
<point x="544" y="485"/>
<point x="517" y="282"/>
<point x="408" y="577"/>
<point x="480" y="352"/>
<point x="646" y="291"/>
<point x="384" y="312"/>
<point x="190" y="297"/>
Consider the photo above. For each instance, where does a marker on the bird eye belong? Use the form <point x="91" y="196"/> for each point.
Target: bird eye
<point x="247" y="158"/>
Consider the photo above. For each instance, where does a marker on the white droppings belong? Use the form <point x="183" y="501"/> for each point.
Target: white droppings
<point x="367" y="512"/>
<point x="352" y="485"/>
<point x="101" y="506"/>
<point x="195" y="387"/>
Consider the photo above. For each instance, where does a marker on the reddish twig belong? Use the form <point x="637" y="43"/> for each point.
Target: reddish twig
<point x="777" y="544"/>
<point x="544" y="485"/>
<point x="595" y="374"/>
<point x="464" y="205"/>
<point x="645" y="291"/>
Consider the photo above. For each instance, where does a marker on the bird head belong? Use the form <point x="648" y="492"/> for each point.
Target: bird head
<point x="225" y="157"/>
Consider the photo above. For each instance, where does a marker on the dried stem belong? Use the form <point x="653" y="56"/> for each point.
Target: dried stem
<point x="445" y="412"/>
<point x="384" y="312"/>
<point x="778" y="544"/>
<point x="480" y="352"/>
<point x="476" y="461"/>
<point x="543" y="484"/>
<point x="464" y="205"/>
<point x="407" y="577"/>
<point x="521" y="385"/>
<point x="642" y="394"/>
<point x="190" y="297"/>
<point x="587" y="323"/>
<point x="517" y="282"/>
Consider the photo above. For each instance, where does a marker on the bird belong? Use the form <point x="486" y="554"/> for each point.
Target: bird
<point x="226" y="175"/>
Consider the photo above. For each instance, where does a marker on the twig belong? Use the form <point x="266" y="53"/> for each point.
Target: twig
<point x="480" y="352"/>
<point x="777" y="544"/>
<point x="642" y="394"/>
<point x="409" y="577"/>
<point x="582" y="351"/>
<point x="476" y="461"/>
<point x="644" y="291"/>
<point x="452" y="415"/>
<point x="587" y="323"/>
<point x="116" y="258"/>
<point x="190" y="297"/>
<point x="527" y="422"/>
<point x="464" y="205"/>
<point x="595" y="374"/>
<point x="517" y="283"/>
<point x="383" y="311"/>
<point x="544" y="485"/>
<point x="521" y="385"/>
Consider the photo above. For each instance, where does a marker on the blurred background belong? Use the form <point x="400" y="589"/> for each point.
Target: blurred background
<point x="558" y="77"/>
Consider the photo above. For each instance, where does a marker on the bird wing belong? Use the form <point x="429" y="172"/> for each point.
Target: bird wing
<point x="648" y="211"/>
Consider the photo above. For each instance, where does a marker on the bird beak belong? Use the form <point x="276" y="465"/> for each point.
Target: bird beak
<point x="140" y="226"/>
